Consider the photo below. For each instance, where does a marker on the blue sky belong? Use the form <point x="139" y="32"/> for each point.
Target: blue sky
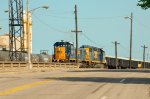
<point x="102" y="22"/>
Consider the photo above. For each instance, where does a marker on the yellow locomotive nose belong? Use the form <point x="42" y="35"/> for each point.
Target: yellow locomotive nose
<point x="87" y="54"/>
<point x="60" y="54"/>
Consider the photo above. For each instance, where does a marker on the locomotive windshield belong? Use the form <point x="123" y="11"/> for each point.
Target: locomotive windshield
<point x="63" y="44"/>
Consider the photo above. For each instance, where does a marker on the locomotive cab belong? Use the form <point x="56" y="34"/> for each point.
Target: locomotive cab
<point x="62" y="51"/>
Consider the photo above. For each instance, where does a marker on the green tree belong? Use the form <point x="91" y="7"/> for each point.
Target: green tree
<point x="144" y="4"/>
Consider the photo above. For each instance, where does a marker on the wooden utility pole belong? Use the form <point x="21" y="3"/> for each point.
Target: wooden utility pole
<point x="131" y="23"/>
<point x="116" y="59"/>
<point x="76" y="31"/>
<point x="144" y="48"/>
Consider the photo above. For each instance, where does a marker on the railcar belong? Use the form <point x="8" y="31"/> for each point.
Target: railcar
<point x="4" y="56"/>
<point x="123" y="63"/>
<point x="92" y="55"/>
<point x="87" y="55"/>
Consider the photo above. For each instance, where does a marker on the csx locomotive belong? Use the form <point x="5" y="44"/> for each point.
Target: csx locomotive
<point x="89" y="55"/>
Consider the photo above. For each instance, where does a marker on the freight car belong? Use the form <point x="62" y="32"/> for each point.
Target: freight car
<point x="42" y="57"/>
<point x="87" y="55"/>
<point x="123" y="63"/>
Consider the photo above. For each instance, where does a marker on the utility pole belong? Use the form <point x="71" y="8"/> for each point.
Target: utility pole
<point x="144" y="48"/>
<point x="76" y="31"/>
<point x="116" y="59"/>
<point x="131" y="23"/>
<point x="131" y="18"/>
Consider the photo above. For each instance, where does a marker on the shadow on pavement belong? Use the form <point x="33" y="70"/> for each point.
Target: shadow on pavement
<point x="103" y="80"/>
<point x="113" y="70"/>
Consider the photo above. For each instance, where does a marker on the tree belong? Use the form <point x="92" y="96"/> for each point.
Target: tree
<point x="144" y="4"/>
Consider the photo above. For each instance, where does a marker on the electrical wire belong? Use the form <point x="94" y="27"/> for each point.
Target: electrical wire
<point x="62" y="11"/>
<point x="58" y="12"/>
<point x="47" y="25"/>
<point x="64" y="17"/>
<point x="84" y="18"/>
<point x="141" y="24"/>
<point x="91" y="40"/>
<point x="57" y="30"/>
<point x="124" y="48"/>
<point x="100" y="18"/>
<point x="60" y="17"/>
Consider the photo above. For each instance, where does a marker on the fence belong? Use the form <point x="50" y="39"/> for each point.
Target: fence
<point x="9" y="66"/>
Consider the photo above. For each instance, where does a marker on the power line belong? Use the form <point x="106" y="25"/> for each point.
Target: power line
<point x="85" y="18"/>
<point x="141" y="24"/>
<point x="92" y="41"/>
<point x="44" y="23"/>
<point x="126" y="49"/>
<point x="59" y="12"/>
<point x="98" y="18"/>
<point x="60" y="17"/>
<point x="62" y="11"/>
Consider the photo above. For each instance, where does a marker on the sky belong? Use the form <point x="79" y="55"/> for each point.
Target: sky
<point x="101" y="21"/>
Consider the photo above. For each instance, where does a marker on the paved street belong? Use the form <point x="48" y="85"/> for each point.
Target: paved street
<point x="76" y="84"/>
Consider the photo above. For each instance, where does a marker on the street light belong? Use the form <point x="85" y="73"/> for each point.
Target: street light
<point x="44" y="6"/>
<point x="6" y="11"/>
<point x="131" y="19"/>
<point x="27" y="29"/>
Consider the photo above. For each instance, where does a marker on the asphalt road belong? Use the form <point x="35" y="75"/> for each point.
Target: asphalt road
<point x="77" y="84"/>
